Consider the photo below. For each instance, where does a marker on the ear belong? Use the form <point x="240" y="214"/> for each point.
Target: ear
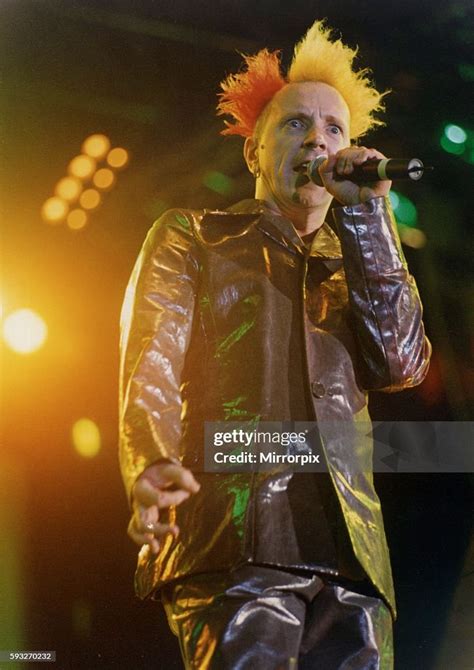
<point x="251" y="154"/>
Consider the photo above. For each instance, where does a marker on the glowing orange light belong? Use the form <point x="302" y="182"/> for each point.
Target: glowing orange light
<point x="117" y="158"/>
<point x="76" y="219"/>
<point x="86" y="438"/>
<point x="90" y="198"/>
<point x="24" y="331"/>
<point x="412" y="237"/>
<point x="104" y="178"/>
<point x="68" y="188"/>
<point x="54" y="210"/>
<point x="96" y="146"/>
<point x="82" y="167"/>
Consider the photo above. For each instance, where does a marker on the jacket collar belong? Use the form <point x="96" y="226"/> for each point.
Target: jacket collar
<point x="325" y="244"/>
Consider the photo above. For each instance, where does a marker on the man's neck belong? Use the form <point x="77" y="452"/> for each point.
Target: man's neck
<point x="306" y="222"/>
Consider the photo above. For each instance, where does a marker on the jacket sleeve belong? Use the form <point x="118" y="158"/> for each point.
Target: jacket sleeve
<point x="156" y="324"/>
<point x="385" y="305"/>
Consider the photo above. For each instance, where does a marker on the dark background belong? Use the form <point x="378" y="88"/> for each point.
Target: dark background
<point x="147" y="74"/>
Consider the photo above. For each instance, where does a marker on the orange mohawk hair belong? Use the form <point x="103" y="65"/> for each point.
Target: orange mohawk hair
<point x="247" y="93"/>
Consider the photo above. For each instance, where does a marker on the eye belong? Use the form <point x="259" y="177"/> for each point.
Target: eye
<point x="295" y="123"/>
<point x="335" y="130"/>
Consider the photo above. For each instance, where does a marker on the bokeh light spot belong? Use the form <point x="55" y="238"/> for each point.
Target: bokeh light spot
<point x="86" y="438"/>
<point x="68" y="188"/>
<point x="76" y="219"/>
<point x="394" y="199"/>
<point x="24" y="331"/>
<point x="218" y="182"/>
<point x="451" y="147"/>
<point x="404" y="210"/>
<point x="96" y="146"/>
<point x="54" y="210"/>
<point x="82" y="167"/>
<point x="90" y="199"/>
<point x="412" y="237"/>
<point x="117" y="157"/>
<point x="466" y="71"/>
<point x="455" y="134"/>
<point x="104" y="178"/>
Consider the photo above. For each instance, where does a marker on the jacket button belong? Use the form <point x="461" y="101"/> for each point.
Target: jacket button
<point x="318" y="390"/>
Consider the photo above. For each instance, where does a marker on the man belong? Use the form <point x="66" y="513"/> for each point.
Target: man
<point x="262" y="313"/>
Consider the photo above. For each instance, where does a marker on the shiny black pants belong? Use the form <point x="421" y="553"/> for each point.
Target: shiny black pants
<point x="267" y="619"/>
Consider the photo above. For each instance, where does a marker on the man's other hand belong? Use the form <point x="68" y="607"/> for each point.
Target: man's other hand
<point x="158" y="487"/>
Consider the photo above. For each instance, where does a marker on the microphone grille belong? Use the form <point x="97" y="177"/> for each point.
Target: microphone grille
<point x="313" y="166"/>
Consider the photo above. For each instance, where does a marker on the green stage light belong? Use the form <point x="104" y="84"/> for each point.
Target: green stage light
<point x="218" y="182"/>
<point x="466" y="71"/>
<point x="451" y="147"/>
<point x="455" y="133"/>
<point x="394" y="199"/>
<point x="404" y="210"/>
<point x="470" y="157"/>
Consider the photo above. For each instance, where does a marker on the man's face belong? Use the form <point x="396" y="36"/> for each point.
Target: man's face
<point x="304" y="120"/>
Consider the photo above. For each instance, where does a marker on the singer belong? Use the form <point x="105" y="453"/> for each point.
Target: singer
<point x="263" y="313"/>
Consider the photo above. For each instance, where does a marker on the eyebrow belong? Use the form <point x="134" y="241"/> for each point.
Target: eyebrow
<point x="305" y="115"/>
<point x="335" y="119"/>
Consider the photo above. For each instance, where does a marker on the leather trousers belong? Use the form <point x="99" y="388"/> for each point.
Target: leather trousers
<point x="266" y="618"/>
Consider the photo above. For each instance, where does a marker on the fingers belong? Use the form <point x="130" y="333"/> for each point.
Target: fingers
<point x="153" y="487"/>
<point x="345" y="160"/>
<point x="167" y="498"/>
<point x="336" y="170"/>
<point x="162" y="485"/>
<point x="147" y="494"/>
<point x="181" y="477"/>
<point x="142" y="531"/>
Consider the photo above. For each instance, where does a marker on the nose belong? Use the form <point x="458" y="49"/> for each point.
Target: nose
<point x="315" y="140"/>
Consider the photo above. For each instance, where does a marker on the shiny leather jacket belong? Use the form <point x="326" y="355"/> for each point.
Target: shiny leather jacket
<point x="228" y="316"/>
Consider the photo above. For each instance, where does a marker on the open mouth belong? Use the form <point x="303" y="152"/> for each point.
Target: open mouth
<point x="302" y="168"/>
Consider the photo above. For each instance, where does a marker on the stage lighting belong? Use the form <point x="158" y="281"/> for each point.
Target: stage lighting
<point x="68" y="188"/>
<point x="404" y="210"/>
<point x="218" y="182"/>
<point x="76" y="219"/>
<point x="455" y="133"/>
<point x="117" y="158"/>
<point x="82" y="167"/>
<point x="24" y="331"/>
<point x="54" y="210"/>
<point x="86" y="438"/>
<point x="90" y="198"/>
<point x="96" y="146"/>
<point x="104" y="178"/>
<point x="412" y="237"/>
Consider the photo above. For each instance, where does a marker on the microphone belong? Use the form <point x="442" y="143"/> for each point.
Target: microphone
<point x="374" y="169"/>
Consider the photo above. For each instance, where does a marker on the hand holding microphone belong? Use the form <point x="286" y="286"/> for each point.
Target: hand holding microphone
<point x="357" y="174"/>
<point x="375" y="169"/>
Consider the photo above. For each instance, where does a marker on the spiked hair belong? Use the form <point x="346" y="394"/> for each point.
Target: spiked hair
<point x="316" y="57"/>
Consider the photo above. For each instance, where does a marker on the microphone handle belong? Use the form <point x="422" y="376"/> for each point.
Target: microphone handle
<point x="377" y="169"/>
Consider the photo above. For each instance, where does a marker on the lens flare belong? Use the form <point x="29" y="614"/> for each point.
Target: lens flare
<point x="96" y="146"/>
<point x="117" y="158"/>
<point x="54" y="210"/>
<point x="68" y="188"/>
<point x="82" y="167"/>
<point x="24" y="331"/>
<point x="86" y="438"/>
